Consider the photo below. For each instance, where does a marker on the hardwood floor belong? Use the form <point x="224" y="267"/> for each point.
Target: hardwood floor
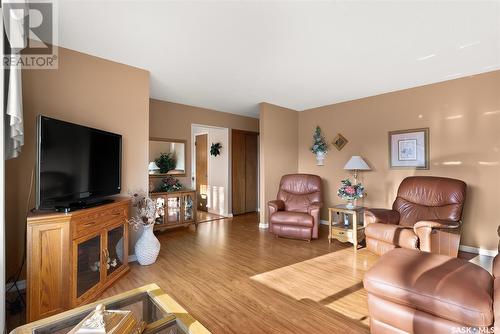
<point x="235" y="278"/>
<point x="202" y="216"/>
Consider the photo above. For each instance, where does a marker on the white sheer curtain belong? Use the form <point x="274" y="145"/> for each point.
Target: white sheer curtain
<point x="17" y="39"/>
<point x="2" y="197"/>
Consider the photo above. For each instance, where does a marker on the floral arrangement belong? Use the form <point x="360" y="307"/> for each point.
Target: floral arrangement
<point x="166" y="162"/>
<point x="319" y="142"/>
<point x="147" y="211"/>
<point x="170" y="183"/>
<point x="350" y="191"/>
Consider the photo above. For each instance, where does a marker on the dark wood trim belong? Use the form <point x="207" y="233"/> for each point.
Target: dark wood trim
<point x="245" y="132"/>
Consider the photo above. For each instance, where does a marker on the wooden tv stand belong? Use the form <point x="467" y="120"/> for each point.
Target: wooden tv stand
<point x="73" y="257"/>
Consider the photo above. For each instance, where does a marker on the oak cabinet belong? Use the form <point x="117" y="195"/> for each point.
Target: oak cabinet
<point x="73" y="257"/>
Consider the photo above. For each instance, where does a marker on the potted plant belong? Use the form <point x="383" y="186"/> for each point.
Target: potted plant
<point x="166" y="162"/>
<point x="350" y="192"/>
<point x="147" y="247"/>
<point x="319" y="146"/>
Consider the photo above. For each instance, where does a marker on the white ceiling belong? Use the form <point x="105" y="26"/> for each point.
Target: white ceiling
<point x="231" y="55"/>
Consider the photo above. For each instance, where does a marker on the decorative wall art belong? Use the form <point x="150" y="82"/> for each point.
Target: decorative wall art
<point x="409" y="149"/>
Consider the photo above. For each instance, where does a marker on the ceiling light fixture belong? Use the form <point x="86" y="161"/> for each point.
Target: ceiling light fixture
<point x="468" y="45"/>
<point x="426" y="57"/>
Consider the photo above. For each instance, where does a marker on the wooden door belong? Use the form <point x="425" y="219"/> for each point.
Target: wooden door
<point x="201" y="170"/>
<point x="244" y="171"/>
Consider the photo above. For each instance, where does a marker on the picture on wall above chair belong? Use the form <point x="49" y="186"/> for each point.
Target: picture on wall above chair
<point x="409" y="149"/>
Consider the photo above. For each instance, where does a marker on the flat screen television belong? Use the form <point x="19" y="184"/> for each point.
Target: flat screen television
<point x="77" y="166"/>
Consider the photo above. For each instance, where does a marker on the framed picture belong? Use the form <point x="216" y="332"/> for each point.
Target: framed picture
<point x="339" y="141"/>
<point x="409" y="149"/>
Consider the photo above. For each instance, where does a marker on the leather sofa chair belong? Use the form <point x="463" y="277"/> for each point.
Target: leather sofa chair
<point x="295" y="212"/>
<point x="426" y="215"/>
<point x="410" y="291"/>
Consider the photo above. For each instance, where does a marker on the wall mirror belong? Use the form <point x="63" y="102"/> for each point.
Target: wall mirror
<point x="167" y="157"/>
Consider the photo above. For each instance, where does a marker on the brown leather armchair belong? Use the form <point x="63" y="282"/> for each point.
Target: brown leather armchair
<point x="295" y="212"/>
<point x="426" y="215"/>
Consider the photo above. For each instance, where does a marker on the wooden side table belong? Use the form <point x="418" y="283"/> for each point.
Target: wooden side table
<point x="354" y="232"/>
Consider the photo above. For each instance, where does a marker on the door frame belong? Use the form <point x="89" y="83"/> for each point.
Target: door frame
<point x="194" y="171"/>
<point x="205" y="129"/>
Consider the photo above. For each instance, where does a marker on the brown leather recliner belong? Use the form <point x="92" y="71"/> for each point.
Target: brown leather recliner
<point x="295" y="212"/>
<point x="416" y="292"/>
<point x="426" y="215"/>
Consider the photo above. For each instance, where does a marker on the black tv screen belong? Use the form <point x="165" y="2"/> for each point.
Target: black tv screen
<point x="75" y="164"/>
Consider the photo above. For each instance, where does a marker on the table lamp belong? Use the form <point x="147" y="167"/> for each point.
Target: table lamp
<point x="153" y="167"/>
<point x="356" y="163"/>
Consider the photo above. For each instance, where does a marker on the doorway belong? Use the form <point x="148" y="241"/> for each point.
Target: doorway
<point x="210" y="172"/>
<point x="201" y="144"/>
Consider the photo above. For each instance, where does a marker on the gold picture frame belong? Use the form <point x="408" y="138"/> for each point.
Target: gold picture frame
<point x="409" y="149"/>
<point x="339" y="141"/>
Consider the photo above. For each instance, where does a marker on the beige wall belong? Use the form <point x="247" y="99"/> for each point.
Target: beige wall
<point x="173" y="120"/>
<point x="86" y="90"/>
<point x="278" y="150"/>
<point x="464" y="120"/>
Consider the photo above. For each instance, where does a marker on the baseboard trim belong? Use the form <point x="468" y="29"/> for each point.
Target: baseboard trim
<point x="478" y="250"/>
<point x="21" y="285"/>
<point x="263" y="225"/>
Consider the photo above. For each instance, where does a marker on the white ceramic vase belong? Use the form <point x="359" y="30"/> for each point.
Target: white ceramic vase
<point x="119" y="250"/>
<point x="350" y="204"/>
<point x="320" y="158"/>
<point x="147" y="247"/>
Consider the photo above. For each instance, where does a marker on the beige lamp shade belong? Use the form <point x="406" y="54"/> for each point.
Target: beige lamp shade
<point x="356" y="163"/>
<point x="153" y="167"/>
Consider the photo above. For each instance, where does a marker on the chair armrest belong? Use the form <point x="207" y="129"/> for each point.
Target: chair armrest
<point x="314" y="206"/>
<point x="384" y="216"/>
<point x="277" y="205"/>
<point x="423" y="229"/>
<point x="438" y="223"/>
<point x="496" y="266"/>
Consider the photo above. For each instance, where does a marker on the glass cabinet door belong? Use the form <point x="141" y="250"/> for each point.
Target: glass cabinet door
<point x="188" y="207"/>
<point x="88" y="273"/>
<point x="115" y="249"/>
<point x="173" y="209"/>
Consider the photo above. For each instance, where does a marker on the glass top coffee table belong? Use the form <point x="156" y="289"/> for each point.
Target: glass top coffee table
<point x="149" y="303"/>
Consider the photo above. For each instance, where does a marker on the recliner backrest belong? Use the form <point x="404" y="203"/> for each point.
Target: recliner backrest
<point x="299" y="190"/>
<point x="428" y="198"/>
